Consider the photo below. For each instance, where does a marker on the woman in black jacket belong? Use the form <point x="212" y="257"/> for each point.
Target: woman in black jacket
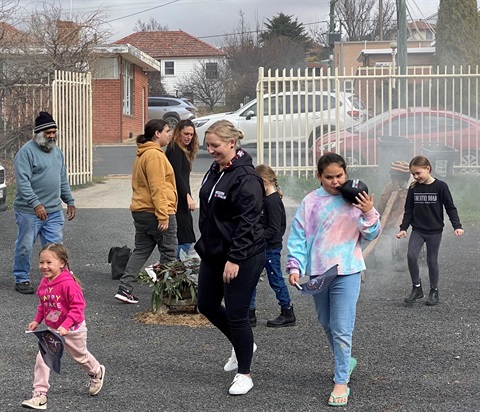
<point x="231" y="245"/>
<point x="181" y="152"/>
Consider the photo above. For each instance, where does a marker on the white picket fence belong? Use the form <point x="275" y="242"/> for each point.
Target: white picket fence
<point x="399" y="116"/>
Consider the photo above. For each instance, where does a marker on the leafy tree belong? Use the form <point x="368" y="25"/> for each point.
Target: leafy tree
<point x="151" y="25"/>
<point x="458" y="34"/>
<point x="284" y="25"/>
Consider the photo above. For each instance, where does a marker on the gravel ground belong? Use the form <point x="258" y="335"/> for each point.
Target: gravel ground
<point x="415" y="358"/>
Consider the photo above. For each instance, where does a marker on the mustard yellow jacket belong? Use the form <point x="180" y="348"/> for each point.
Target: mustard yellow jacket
<point x="153" y="183"/>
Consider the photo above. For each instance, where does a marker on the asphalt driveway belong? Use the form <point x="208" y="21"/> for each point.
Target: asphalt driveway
<point x="409" y="358"/>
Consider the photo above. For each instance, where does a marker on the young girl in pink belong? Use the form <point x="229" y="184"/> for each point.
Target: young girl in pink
<point x="61" y="307"/>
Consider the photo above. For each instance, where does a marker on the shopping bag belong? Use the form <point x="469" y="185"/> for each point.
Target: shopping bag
<point x="118" y="258"/>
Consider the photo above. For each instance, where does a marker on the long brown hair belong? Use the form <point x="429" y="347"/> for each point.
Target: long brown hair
<point x="191" y="149"/>
<point x="419" y="161"/>
<point x="61" y="253"/>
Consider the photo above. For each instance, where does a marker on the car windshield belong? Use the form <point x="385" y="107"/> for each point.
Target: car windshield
<point x="371" y="123"/>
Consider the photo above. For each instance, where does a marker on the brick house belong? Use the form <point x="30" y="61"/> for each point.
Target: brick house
<point x="120" y="92"/>
<point x="178" y="53"/>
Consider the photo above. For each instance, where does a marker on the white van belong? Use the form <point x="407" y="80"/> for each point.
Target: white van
<point x="291" y="116"/>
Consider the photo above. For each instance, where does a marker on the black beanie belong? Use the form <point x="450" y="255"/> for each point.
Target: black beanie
<point x="44" y="121"/>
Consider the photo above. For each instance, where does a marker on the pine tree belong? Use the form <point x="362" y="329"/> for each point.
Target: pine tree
<point x="284" y="25"/>
<point x="458" y="34"/>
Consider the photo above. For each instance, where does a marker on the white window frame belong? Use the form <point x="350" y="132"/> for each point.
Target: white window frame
<point x="127" y="87"/>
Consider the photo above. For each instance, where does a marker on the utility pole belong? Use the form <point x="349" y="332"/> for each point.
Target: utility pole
<point x="331" y="34"/>
<point x="402" y="50"/>
<point x="380" y="19"/>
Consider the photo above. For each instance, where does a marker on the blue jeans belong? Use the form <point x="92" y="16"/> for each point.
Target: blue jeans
<point x="275" y="279"/>
<point x="29" y="228"/>
<point x="336" y="309"/>
<point x="183" y="246"/>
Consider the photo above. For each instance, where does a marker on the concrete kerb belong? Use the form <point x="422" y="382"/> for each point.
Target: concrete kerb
<point x="116" y="193"/>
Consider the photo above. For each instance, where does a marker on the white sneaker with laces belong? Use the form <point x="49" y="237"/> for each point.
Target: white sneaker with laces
<point x="241" y="384"/>
<point x="38" y="401"/>
<point x="232" y="363"/>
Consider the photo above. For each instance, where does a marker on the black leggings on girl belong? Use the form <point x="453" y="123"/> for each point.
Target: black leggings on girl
<point x="415" y="244"/>
<point x="231" y="319"/>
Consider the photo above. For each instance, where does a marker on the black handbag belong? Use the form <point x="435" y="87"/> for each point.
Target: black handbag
<point x="118" y="258"/>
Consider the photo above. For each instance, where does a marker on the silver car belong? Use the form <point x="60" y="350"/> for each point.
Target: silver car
<point x="170" y="109"/>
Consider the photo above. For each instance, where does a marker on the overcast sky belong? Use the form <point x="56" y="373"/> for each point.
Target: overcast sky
<point x="210" y="20"/>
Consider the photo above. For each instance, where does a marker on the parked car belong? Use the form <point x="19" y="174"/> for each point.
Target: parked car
<point x="170" y="109"/>
<point x="291" y="116"/>
<point x="3" y="190"/>
<point x="422" y="126"/>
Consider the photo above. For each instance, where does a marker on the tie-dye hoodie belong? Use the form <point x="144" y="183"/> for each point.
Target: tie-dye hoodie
<point x="326" y="231"/>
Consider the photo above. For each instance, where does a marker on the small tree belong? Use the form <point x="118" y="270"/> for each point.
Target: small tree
<point x="206" y="83"/>
<point x="151" y="25"/>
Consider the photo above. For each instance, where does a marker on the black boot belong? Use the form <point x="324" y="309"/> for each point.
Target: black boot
<point x="252" y="317"/>
<point x="433" y="297"/>
<point x="286" y="318"/>
<point x="417" y="293"/>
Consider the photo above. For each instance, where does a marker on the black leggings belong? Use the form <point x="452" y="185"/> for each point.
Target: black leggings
<point x="231" y="319"/>
<point x="415" y="244"/>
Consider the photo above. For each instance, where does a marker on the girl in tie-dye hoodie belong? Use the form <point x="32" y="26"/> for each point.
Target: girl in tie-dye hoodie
<point x="327" y="231"/>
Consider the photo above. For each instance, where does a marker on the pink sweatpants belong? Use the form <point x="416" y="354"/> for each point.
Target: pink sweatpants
<point x="76" y="347"/>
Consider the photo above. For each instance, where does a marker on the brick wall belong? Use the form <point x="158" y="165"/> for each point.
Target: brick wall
<point x="134" y="124"/>
<point x="110" y="125"/>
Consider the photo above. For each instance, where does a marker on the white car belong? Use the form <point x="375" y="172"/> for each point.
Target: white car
<point x="285" y="115"/>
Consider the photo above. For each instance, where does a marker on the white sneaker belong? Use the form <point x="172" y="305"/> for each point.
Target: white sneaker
<point x="38" y="401"/>
<point x="232" y="363"/>
<point x="241" y="384"/>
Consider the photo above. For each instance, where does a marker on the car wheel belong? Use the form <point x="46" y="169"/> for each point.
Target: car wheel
<point x="172" y="121"/>
<point x="468" y="162"/>
<point x="353" y="161"/>
<point x="318" y="133"/>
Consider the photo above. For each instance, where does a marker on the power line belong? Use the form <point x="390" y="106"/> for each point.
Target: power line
<point x="143" y="11"/>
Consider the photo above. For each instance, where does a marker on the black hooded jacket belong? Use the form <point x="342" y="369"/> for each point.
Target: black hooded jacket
<point x="230" y="211"/>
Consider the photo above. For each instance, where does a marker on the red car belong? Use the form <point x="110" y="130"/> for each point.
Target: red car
<point x="411" y="130"/>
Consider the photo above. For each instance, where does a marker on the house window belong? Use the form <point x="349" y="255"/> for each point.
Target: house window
<point x="169" y="68"/>
<point x="211" y="71"/>
<point x="105" y="68"/>
<point x="127" y="74"/>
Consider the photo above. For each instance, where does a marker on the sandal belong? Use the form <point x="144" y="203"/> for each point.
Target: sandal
<point x="334" y="398"/>
<point x="353" y="365"/>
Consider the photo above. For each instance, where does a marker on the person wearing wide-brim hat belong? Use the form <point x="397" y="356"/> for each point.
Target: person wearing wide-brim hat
<point x="42" y="186"/>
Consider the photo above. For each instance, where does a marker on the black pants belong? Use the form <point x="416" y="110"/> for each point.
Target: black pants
<point x="231" y="319"/>
<point x="415" y="244"/>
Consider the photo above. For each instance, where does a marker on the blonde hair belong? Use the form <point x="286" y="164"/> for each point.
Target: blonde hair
<point x="61" y="253"/>
<point x="226" y="131"/>
<point x="191" y="149"/>
<point x="419" y="161"/>
<point x="267" y="173"/>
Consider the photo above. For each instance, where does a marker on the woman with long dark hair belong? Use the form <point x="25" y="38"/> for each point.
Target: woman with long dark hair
<point x="181" y="152"/>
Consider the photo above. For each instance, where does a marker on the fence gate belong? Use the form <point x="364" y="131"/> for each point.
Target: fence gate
<point x="72" y="110"/>
<point x="370" y="117"/>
